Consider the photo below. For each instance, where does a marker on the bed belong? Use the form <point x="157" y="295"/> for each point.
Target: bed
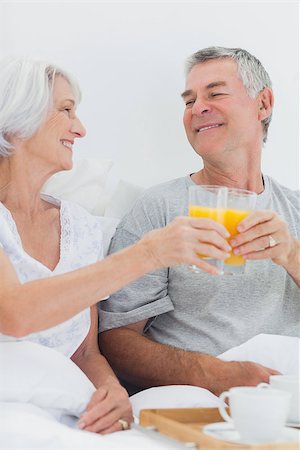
<point x="43" y="393"/>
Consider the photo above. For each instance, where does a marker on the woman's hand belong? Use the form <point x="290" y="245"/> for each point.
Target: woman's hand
<point x="108" y="405"/>
<point x="184" y="239"/>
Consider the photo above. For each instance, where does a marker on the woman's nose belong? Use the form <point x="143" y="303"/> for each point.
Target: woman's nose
<point x="78" y="128"/>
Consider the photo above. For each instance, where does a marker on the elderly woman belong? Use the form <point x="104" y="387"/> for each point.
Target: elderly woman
<point x="51" y="266"/>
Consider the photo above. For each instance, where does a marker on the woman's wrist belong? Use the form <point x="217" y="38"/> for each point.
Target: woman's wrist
<point x="147" y="254"/>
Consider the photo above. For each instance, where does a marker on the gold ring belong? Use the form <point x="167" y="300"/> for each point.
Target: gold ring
<point x="272" y="241"/>
<point x="124" y="424"/>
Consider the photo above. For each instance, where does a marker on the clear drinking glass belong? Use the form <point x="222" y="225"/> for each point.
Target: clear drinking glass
<point x="208" y="202"/>
<point x="240" y="203"/>
<point x="228" y="206"/>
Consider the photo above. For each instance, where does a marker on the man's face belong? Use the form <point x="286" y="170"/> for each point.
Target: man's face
<point x="219" y="115"/>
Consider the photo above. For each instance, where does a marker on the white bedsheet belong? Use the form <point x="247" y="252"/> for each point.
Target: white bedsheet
<point x="28" y="426"/>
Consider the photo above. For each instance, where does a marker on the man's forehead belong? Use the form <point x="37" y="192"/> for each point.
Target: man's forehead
<point x="212" y="73"/>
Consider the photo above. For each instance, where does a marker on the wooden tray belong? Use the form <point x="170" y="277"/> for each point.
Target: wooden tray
<point x="185" y="425"/>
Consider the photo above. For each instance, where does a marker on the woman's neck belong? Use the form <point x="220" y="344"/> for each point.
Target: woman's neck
<point x="20" y="185"/>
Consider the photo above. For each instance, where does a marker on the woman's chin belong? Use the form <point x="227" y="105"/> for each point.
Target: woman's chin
<point x="67" y="164"/>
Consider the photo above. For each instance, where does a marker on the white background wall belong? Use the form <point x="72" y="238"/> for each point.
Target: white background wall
<point x="128" y="58"/>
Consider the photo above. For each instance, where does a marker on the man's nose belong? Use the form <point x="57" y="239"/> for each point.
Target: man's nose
<point x="201" y="107"/>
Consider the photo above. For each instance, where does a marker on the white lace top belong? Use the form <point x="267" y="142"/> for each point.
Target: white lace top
<point x="81" y="244"/>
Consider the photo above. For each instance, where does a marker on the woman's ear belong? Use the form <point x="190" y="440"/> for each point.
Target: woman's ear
<point x="265" y="102"/>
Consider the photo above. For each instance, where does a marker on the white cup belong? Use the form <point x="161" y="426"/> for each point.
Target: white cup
<point x="259" y="415"/>
<point x="288" y="383"/>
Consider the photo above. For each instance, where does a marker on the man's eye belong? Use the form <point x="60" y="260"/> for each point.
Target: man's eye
<point x="189" y="102"/>
<point x="216" y="94"/>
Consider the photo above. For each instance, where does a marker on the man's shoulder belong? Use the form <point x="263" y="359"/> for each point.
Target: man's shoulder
<point x="156" y="206"/>
<point x="284" y="193"/>
<point x="167" y="190"/>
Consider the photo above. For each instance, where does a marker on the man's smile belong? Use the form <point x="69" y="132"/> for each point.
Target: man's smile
<point x="208" y="127"/>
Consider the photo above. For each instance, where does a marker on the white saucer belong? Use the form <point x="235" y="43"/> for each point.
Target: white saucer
<point x="293" y="424"/>
<point x="226" y="432"/>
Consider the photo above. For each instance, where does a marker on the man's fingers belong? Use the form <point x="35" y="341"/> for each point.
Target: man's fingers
<point x="255" y="218"/>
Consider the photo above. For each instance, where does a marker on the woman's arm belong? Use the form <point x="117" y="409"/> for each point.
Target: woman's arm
<point x="110" y="402"/>
<point x="40" y="304"/>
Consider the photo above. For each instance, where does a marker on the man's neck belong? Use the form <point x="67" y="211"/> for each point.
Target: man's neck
<point x="237" y="178"/>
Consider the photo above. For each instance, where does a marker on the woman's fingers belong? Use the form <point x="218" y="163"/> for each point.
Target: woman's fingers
<point x="108" y="404"/>
<point x="208" y="224"/>
<point x="184" y="238"/>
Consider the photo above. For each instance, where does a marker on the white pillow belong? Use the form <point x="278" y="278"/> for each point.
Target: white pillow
<point x="85" y="184"/>
<point x="177" y="396"/>
<point x="122" y="199"/>
<point x="32" y="373"/>
<point x="281" y="353"/>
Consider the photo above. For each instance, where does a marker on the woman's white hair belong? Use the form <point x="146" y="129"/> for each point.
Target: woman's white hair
<point x="26" y="88"/>
<point x="251" y="71"/>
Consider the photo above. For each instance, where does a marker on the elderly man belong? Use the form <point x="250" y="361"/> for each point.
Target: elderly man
<point x="169" y="326"/>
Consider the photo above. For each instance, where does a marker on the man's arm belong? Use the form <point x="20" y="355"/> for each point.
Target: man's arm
<point x="293" y="264"/>
<point x="146" y="363"/>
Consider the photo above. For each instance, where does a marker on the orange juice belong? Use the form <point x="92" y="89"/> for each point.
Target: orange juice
<point x="207" y="212"/>
<point x="230" y="218"/>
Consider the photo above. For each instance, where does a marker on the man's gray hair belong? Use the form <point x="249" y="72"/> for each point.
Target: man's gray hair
<point x="252" y="73"/>
<point x="26" y="94"/>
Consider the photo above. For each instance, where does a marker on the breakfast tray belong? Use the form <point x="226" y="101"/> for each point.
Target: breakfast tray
<point x="185" y="425"/>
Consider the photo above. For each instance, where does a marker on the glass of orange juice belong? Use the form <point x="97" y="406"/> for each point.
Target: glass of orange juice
<point x="228" y="206"/>
<point x="208" y="202"/>
<point x="240" y="203"/>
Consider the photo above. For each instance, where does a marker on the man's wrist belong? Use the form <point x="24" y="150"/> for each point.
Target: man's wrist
<point x="292" y="265"/>
<point x="205" y="371"/>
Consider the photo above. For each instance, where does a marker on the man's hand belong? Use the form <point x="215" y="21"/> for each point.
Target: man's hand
<point x="223" y="375"/>
<point x="253" y="242"/>
<point x="108" y="404"/>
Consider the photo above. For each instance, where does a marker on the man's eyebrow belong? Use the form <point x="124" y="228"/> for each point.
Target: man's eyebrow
<point x="209" y="86"/>
<point x="186" y="93"/>
<point x="215" y="84"/>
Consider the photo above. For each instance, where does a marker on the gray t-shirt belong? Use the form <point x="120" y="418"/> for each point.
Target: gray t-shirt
<point x="198" y="311"/>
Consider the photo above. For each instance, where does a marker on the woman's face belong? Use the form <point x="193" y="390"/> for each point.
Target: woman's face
<point x="53" y="143"/>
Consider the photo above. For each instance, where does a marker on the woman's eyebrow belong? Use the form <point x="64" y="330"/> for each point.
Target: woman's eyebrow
<point x="69" y="100"/>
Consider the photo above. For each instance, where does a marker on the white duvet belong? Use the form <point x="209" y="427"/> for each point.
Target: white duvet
<point x="42" y="394"/>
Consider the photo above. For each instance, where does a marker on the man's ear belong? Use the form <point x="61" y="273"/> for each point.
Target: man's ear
<point x="265" y="103"/>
